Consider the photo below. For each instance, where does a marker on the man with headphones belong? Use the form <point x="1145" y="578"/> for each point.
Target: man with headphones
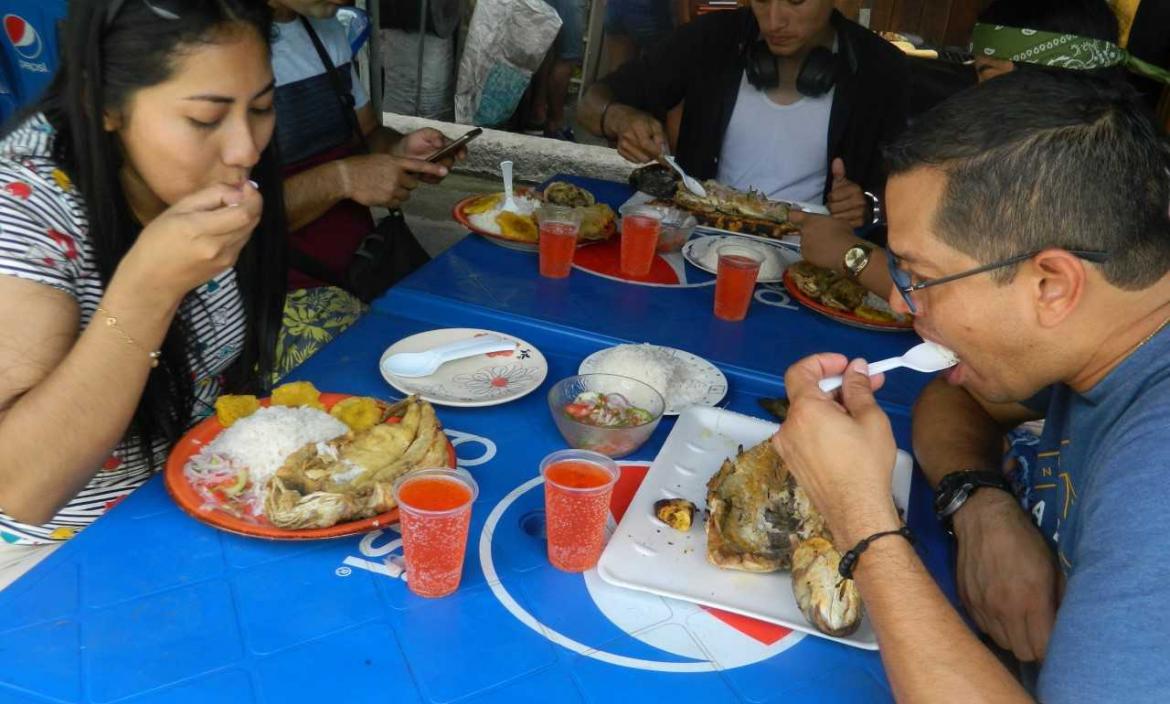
<point x="787" y="97"/>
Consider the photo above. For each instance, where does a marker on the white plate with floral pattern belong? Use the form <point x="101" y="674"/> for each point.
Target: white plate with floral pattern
<point x="704" y="384"/>
<point x="483" y="380"/>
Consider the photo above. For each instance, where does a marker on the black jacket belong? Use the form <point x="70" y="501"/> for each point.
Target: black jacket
<point x="702" y="63"/>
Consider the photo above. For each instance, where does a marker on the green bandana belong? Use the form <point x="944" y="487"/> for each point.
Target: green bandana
<point x="1058" y="50"/>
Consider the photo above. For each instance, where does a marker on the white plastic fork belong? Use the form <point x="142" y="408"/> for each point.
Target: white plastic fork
<point x="923" y="357"/>
<point x="692" y="184"/>
<point x="415" y="364"/>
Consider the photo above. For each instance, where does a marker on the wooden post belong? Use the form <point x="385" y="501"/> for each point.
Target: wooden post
<point x="594" y="36"/>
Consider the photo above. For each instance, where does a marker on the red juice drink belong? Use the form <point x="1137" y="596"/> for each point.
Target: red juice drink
<point x="736" y="280"/>
<point x="578" y="485"/>
<point x="640" y="230"/>
<point x="558" y="242"/>
<point x="559" y="227"/>
<point x="434" y="508"/>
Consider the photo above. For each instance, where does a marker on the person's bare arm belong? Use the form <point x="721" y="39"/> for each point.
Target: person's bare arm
<point x="381" y="138"/>
<point x="1007" y="576"/>
<point x="589" y="111"/>
<point x="54" y="381"/>
<point x="67" y="399"/>
<point x="928" y="653"/>
<point x="954" y="430"/>
<point x="312" y="192"/>
<point x="639" y="135"/>
<point x="385" y="177"/>
<point x="309" y="194"/>
<point x="824" y="241"/>
<point x="840" y="449"/>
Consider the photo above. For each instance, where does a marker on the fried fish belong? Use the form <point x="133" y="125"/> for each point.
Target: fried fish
<point x="352" y="477"/>
<point x="762" y="521"/>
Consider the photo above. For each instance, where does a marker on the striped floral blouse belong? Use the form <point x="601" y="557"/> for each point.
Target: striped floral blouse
<point x="43" y="238"/>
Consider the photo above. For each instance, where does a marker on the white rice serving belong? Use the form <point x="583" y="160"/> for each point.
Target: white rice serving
<point x="261" y="442"/>
<point x="658" y="367"/>
<point x="487" y="221"/>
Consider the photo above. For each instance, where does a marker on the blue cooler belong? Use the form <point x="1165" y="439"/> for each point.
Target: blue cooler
<point x="8" y="101"/>
<point x="30" y="45"/>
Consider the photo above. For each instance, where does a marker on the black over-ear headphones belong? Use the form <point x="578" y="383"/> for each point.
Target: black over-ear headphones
<point x="819" y="71"/>
<point x="817" y="76"/>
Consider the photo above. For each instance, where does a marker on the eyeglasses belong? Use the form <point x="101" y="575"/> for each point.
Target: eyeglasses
<point x="902" y="281"/>
<point x="164" y="9"/>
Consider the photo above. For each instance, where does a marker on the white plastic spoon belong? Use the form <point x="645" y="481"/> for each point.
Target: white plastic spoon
<point x="923" y="357"/>
<point x="416" y="364"/>
<point x="509" y="202"/>
<point x="692" y="185"/>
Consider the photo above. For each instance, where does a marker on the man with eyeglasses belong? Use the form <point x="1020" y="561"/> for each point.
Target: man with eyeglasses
<point x="1029" y="233"/>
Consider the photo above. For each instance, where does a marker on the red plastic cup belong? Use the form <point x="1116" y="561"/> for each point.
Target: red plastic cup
<point x="735" y="281"/>
<point x="434" y="508"/>
<point x="640" y="230"/>
<point x="559" y="228"/>
<point x="578" y="485"/>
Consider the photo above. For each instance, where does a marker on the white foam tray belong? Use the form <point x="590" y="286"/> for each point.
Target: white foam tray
<point x="647" y="555"/>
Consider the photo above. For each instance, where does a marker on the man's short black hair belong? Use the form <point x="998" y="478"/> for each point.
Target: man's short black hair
<point x="1084" y="18"/>
<point x="1048" y="159"/>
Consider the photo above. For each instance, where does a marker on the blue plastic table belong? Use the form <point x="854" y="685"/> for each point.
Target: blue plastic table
<point x="149" y="605"/>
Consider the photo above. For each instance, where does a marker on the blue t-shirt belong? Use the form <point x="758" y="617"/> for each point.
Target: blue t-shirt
<point x="1100" y="492"/>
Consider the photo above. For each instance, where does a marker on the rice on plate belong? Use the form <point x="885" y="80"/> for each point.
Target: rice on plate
<point x="487" y="220"/>
<point x="683" y="379"/>
<point x="254" y="448"/>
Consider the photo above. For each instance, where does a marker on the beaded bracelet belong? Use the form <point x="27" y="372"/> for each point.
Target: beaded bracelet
<point x="112" y="323"/>
<point x="849" y="559"/>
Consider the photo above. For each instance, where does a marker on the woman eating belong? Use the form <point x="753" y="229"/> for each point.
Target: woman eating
<point x="141" y="255"/>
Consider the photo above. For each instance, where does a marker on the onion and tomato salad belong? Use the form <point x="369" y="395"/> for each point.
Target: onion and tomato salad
<point x="606" y="411"/>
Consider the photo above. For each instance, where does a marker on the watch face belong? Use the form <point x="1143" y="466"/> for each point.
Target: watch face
<point x="856" y="257"/>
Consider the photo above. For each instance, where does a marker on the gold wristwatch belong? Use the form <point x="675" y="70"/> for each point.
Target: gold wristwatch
<point x="856" y="259"/>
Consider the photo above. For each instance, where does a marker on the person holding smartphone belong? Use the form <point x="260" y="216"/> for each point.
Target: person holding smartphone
<point x="339" y="159"/>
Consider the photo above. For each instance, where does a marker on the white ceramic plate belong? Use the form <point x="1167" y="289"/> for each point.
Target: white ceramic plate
<point x="706" y="375"/>
<point x="646" y="555"/>
<point x="483" y="380"/>
<point x="696" y="250"/>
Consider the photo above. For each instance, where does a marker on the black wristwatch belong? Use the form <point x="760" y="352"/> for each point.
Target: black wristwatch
<point x="956" y="487"/>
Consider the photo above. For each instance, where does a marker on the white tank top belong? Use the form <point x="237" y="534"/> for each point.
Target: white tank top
<point x="781" y="150"/>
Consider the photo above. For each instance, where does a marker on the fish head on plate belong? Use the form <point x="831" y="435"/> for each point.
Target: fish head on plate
<point x="656" y="180"/>
<point x="760" y="520"/>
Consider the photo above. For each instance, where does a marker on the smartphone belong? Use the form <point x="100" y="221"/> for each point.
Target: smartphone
<point x="455" y="146"/>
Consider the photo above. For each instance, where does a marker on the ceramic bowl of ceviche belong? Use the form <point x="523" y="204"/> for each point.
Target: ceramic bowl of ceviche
<point x="606" y="413"/>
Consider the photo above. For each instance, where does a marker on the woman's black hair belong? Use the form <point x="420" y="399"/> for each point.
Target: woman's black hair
<point x="104" y="61"/>
<point x="1084" y="18"/>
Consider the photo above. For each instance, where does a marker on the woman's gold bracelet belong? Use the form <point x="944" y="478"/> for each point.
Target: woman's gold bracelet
<point x="112" y="323"/>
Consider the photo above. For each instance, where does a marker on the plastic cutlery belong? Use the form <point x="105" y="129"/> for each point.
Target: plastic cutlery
<point x="509" y="201"/>
<point x="692" y="185"/>
<point x="923" y="357"/>
<point x="416" y="364"/>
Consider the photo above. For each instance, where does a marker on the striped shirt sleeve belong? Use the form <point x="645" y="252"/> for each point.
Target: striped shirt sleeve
<point x="36" y="238"/>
